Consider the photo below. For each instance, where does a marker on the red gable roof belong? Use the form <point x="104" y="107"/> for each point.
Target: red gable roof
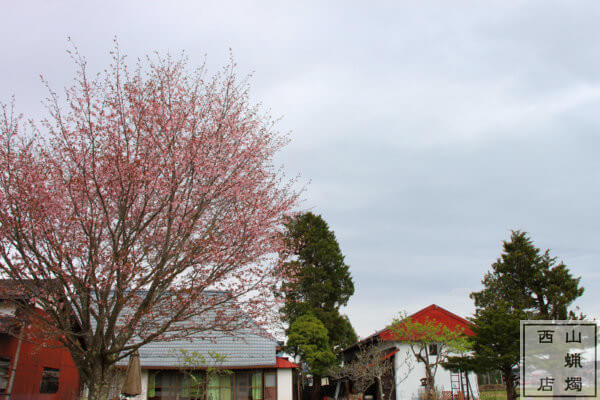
<point x="283" y="362"/>
<point x="432" y="313"/>
<point x="438" y="314"/>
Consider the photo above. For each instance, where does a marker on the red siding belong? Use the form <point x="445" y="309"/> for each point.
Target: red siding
<point x="32" y="360"/>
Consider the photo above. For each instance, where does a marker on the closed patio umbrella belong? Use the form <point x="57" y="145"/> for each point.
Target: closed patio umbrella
<point x="133" y="379"/>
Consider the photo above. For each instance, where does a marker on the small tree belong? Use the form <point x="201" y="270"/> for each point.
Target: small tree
<point x="371" y="364"/>
<point x="422" y="337"/>
<point x="198" y="370"/>
<point x="308" y="339"/>
<point x="144" y="191"/>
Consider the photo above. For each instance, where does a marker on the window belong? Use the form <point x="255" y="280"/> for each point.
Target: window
<point x="173" y="384"/>
<point x="241" y="385"/>
<point x="270" y="386"/>
<point x="4" y="373"/>
<point x="219" y="387"/>
<point x="433" y="349"/>
<point x="49" y="380"/>
<point x="248" y="386"/>
<point x="192" y="385"/>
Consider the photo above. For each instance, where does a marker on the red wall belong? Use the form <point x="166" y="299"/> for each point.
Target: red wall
<point x="32" y="360"/>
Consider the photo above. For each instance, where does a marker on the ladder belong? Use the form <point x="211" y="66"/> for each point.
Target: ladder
<point x="467" y="387"/>
<point x="458" y="384"/>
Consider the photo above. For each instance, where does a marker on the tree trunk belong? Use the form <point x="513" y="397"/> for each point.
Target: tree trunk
<point x="100" y="382"/>
<point x="98" y="390"/>
<point x="509" y="384"/>
<point x="316" y="392"/>
<point x="430" y="383"/>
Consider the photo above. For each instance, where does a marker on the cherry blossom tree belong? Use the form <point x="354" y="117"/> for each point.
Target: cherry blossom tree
<point x="147" y="200"/>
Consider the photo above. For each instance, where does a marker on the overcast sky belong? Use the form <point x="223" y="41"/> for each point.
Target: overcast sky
<point x="428" y="130"/>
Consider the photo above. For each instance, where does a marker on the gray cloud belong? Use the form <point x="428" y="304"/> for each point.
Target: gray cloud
<point x="428" y="131"/>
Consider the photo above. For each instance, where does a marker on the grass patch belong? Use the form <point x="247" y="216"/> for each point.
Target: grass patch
<point x="494" y="395"/>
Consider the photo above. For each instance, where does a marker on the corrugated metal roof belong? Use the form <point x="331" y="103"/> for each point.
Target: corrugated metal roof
<point x="245" y="349"/>
<point x="247" y="346"/>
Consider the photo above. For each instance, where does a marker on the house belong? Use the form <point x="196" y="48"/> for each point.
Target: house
<point x="32" y="366"/>
<point x="273" y="379"/>
<point x="42" y="368"/>
<point x="247" y="356"/>
<point x="408" y="379"/>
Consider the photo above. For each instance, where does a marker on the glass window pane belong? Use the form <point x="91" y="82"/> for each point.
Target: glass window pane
<point x="167" y="385"/>
<point x="4" y="367"/>
<point x="219" y="387"/>
<point x="213" y="380"/>
<point x="226" y="393"/>
<point x="226" y="385"/>
<point x="257" y="386"/>
<point x="242" y="386"/>
<point x="270" y="380"/>
<point x="212" y="393"/>
<point x="50" y="378"/>
<point x="151" y="384"/>
<point x="225" y="381"/>
<point x="196" y="388"/>
<point x="270" y="386"/>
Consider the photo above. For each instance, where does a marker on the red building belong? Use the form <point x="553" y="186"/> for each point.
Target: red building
<point x="31" y="365"/>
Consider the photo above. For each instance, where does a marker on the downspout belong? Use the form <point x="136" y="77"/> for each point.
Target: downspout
<point x="13" y="371"/>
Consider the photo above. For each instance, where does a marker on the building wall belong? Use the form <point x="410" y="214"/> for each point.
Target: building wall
<point x="32" y="360"/>
<point x="285" y="386"/>
<point x="411" y="387"/>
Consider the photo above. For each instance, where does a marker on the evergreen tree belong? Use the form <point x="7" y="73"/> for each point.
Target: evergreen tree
<point x="524" y="283"/>
<point x="323" y="283"/>
<point x="321" y="286"/>
<point x="529" y="280"/>
<point x="495" y="345"/>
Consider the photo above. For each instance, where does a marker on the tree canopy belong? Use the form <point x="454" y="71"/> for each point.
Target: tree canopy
<point x="308" y="338"/>
<point x="495" y="345"/>
<point x="322" y="283"/>
<point x="143" y="191"/>
<point x="524" y="283"/>
<point x="529" y="280"/>
<point x="431" y="342"/>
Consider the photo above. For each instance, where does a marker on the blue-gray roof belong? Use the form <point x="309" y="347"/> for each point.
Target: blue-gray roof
<point x="245" y="349"/>
<point x="246" y="346"/>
